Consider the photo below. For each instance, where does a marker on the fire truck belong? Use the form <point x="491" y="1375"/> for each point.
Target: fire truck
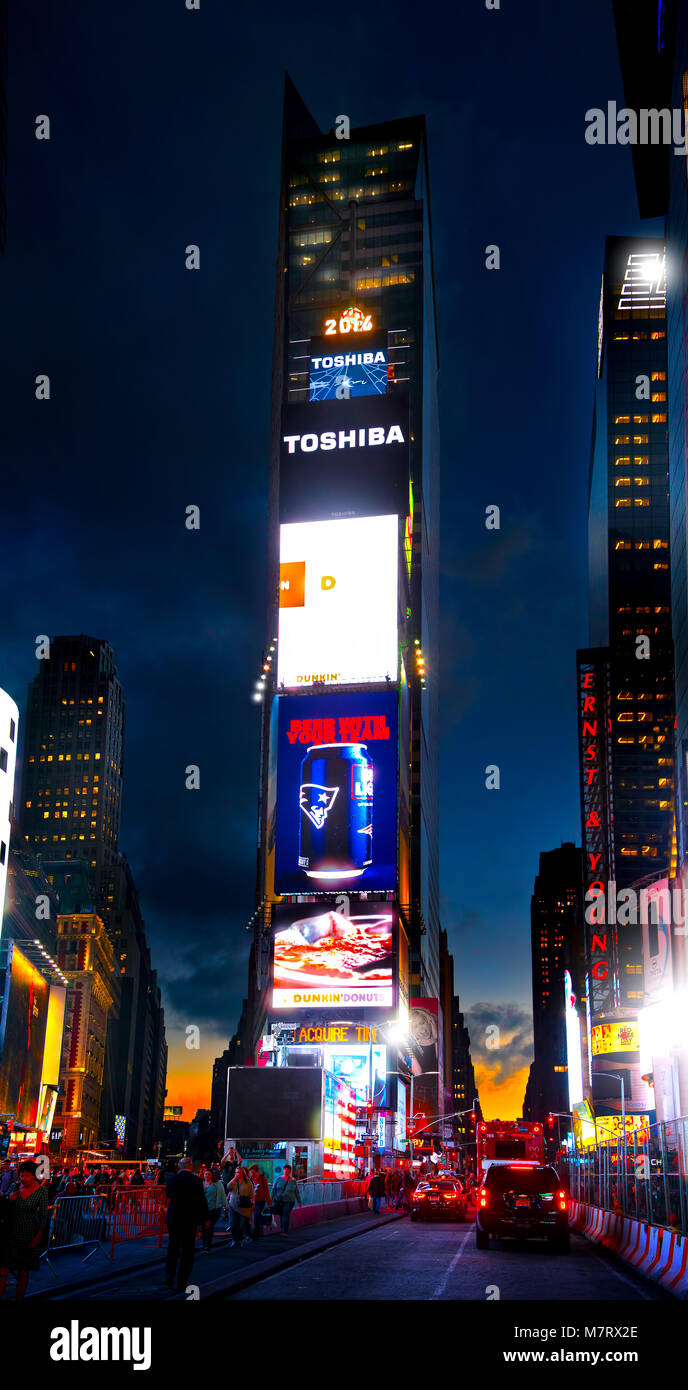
<point x="506" y="1141"/>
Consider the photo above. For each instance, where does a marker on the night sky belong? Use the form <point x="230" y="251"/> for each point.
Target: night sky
<point x="166" y="131"/>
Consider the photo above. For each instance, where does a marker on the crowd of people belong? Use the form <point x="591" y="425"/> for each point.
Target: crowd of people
<point x="239" y="1193"/>
<point x="230" y="1191"/>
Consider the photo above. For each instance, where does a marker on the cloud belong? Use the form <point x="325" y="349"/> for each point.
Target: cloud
<point x="505" y="1052"/>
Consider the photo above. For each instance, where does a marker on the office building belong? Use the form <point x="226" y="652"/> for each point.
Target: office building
<point x="626" y="676"/>
<point x="349" y="676"/>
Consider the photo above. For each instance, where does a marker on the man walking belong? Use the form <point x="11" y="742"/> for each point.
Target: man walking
<point x="376" y="1190"/>
<point x="187" y="1210"/>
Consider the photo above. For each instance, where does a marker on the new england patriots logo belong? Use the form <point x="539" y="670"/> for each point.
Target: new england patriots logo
<point x="317" y="802"/>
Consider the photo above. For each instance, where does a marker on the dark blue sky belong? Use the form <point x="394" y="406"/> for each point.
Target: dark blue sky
<point x="165" y="132"/>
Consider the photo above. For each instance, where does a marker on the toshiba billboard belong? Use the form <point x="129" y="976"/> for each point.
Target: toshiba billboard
<point x="345" y="458"/>
<point x="338" y="601"/>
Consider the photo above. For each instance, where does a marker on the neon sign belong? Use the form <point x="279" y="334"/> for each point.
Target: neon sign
<point x="594" y="733"/>
<point x="351" y="321"/>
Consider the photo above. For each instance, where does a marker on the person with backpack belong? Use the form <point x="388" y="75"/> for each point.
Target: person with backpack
<point x="261" y="1198"/>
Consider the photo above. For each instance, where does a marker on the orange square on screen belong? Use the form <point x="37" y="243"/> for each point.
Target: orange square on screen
<point x="292" y="584"/>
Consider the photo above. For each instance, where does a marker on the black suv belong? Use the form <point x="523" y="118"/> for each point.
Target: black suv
<point x="522" y="1200"/>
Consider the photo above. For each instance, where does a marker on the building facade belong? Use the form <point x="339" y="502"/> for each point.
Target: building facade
<point x="349" y="679"/>
<point x="70" y="812"/>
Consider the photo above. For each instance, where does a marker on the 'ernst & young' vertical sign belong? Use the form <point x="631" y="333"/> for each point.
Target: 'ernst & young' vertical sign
<point x="594" y="745"/>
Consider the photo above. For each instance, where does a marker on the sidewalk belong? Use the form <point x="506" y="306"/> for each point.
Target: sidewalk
<point x="137" y="1272"/>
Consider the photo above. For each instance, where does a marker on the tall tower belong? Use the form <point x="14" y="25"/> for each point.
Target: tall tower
<point x="556" y="944"/>
<point x="626" y="700"/>
<point x="626" y="677"/>
<point x="72" y="774"/>
<point x="349" y="764"/>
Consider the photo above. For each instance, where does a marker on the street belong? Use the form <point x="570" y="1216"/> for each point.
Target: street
<point x="426" y="1262"/>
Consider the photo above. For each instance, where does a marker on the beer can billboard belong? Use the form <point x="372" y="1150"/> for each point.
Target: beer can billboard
<point x="336" y="793"/>
<point x="326" y="958"/>
<point x="345" y="458"/>
<point x="338" y="601"/>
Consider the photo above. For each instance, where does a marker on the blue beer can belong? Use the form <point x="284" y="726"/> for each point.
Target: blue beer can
<point x="336" y="812"/>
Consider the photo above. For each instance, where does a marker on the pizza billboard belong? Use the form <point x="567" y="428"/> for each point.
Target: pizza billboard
<point x="324" y="958"/>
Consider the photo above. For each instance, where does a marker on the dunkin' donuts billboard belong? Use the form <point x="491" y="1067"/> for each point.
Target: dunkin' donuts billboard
<point x="336" y="822"/>
<point x="326" y="958"/>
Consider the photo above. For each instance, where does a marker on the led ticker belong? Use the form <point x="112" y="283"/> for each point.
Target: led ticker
<point x="352" y="320"/>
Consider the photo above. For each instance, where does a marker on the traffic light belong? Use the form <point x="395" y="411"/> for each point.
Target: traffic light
<point x="472" y="1119"/>
<point x="550" y="1122"/>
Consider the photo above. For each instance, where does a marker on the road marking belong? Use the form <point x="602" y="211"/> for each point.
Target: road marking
<point x="443" y="1282"/>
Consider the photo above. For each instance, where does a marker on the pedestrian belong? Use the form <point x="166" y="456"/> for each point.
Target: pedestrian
<point x="261" y="1197"/>
<point x="230" y="1163"/>
<point x="216" y="1201"/>
<point x="170" y="1175"/>
<point x="240" y="1193"/>
<point x="24" y="1229"/>
<point x="187" y="1211"/>
<point x="136" y="1178"/>
<point x="8" y="1178"/>
<point x="376" y="1190"/>
<point x="285" y="1192"/>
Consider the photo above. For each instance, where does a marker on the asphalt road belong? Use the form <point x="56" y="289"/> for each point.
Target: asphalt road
<point x="405" y="1260"/>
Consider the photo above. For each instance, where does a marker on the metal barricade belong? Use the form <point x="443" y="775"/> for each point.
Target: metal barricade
<point x="137" y="1211"/>
<point x="645" y="1178"/>
<point x="77" y="1221"/>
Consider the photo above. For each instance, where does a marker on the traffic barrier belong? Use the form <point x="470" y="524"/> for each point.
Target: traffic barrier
<point x="78" y="1221"/>
<point x="138" y="1211"/>
<point x="675" y="1275"/>
<point x="614" y="1232"/>
<point x="667" y="1242"/>
<point x="643" y="1246"/>
<point x="654" y="1251"/>
<point x="629" y="1237"/>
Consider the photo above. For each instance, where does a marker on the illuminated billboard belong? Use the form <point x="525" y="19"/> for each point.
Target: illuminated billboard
<point x="336" y="820"/>
<point x="574" y="1056"/>
<point x="324" y="959"/>
<point x="23" y="1021"/>
<point x="345" y="458"/>
<point x="338" y="601"/>
<point x="615" y="1037"/>
<point x="340" y="368"/>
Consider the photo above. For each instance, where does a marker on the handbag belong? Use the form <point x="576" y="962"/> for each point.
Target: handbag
<point x="276" y="1207"/>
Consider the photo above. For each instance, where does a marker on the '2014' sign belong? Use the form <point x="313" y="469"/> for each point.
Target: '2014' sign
<point x="351" y="321"/>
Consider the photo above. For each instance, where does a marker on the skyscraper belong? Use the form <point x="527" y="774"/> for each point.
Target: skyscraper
<point x="350" y="670"/>
<point x="70" y="813"/>
<point x="74" y="738"/>
<point x="625" y="678"/>
<point x="556" y="926"/>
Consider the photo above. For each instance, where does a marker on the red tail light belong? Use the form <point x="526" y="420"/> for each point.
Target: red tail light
<point x="563" y="1201"/>
<point x="483" y="1197"/>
